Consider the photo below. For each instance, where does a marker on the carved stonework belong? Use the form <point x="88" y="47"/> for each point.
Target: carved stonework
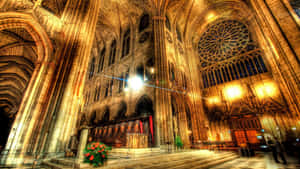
<point x="18" y="5"/>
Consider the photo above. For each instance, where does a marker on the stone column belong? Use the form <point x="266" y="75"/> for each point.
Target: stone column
<point x="163" y="114"/>
<point x="82" y="143"/>
<point x="74" y="54"/>
<point x="28" y="113"/>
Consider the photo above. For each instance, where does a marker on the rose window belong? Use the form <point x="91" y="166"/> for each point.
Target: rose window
<point x="223" y="40"/>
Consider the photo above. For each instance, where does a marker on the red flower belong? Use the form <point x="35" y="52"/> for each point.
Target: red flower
<point x="93" y="148"/>
<point x="91" y="158"/>
<point x="87" y="154"/>
<point x="103" y="155"/>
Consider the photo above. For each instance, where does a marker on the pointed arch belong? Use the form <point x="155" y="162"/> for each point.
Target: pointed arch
<point x="144" y="106"/>
<point x="144" y="22"/>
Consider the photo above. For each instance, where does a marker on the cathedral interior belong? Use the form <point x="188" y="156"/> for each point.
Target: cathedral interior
<point x="137" y="74"/>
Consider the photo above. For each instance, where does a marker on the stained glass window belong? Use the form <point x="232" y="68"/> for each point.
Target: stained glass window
<point x="227" y="53"/>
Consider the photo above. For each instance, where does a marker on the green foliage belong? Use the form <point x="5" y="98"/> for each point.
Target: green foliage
<point x="96" y="153"/>
<point x="178" y="142"/>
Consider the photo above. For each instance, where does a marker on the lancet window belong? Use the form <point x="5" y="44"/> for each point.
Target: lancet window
<point x="126" y="78"/>
<point x="95" y="94"/>
<point x="112" y="53"/>
<point x="188" y="117"/>
<point x="98" y="93"/>
<point x="106" y="90"/>
<point x="111" y="87"/>
<point x="172" y="72"/>
<point x="121" y="83"/>
<point x="126" y="43"/>
<point x="168" y="25"/>
<point x="92" y="68"/>
<point x="101" y="60"/>
<point x="144" y="23"/>
<point x="227" y="52"/>
<point x="178" y="34"/>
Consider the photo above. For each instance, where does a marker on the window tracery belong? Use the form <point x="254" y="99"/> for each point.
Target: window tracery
<point x="296" y="6"/>
<point x="227" y="53"/>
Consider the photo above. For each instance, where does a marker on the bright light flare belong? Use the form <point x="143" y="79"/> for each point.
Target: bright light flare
<point x="268" y="89"/>
<point x="233" y="92"/>
<point x="135" y="83"/>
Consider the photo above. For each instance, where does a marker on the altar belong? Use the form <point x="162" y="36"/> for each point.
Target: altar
<point x="137" y="140"/>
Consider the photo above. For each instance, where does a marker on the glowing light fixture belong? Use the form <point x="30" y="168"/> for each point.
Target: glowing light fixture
<point x="294" y="128"/>
<point x="135" y="83"/>
<point x="126" y="89"/>
<point x="152" y="70"/>
<point x="213" y="100"/>
<point x="233" y="92"/>
<point x="268" y="89"/>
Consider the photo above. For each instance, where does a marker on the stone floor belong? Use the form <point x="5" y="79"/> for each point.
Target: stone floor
<point x="260" y="161"/>
<point x="188" y="159"/>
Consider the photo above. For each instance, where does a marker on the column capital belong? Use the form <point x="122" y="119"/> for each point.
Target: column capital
<point x="85" y="127"/>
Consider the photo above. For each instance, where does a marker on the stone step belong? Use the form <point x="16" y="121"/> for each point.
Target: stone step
<point x="208" y="162"/>
<point x="51" y="165"/>
<point x="63" y="161"/>
<point x="125" y="150"/>
<point x="181" y="162"/>
<point x="176" y="160"/>
<point x="215" y="163"/>
<point x="147" y="157"/>
<point x="172" y="163"/>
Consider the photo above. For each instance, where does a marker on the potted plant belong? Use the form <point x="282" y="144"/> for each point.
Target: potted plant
<point x="178" y="142"/>
<point x="96" y="153"/>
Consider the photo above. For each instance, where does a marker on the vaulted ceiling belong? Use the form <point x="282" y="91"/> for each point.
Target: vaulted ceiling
<point x="17" y="55"/>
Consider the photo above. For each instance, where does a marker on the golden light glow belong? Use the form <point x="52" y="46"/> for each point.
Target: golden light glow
<point x="213" y="100"/>
<point x="194" y="96"/>
<point x="211" y="16"/>
<point x="268" y="89"/>
<point x="233" y="92"/>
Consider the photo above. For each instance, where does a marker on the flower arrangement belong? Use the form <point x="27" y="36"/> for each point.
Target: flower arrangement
<point x="96" y="153"/>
